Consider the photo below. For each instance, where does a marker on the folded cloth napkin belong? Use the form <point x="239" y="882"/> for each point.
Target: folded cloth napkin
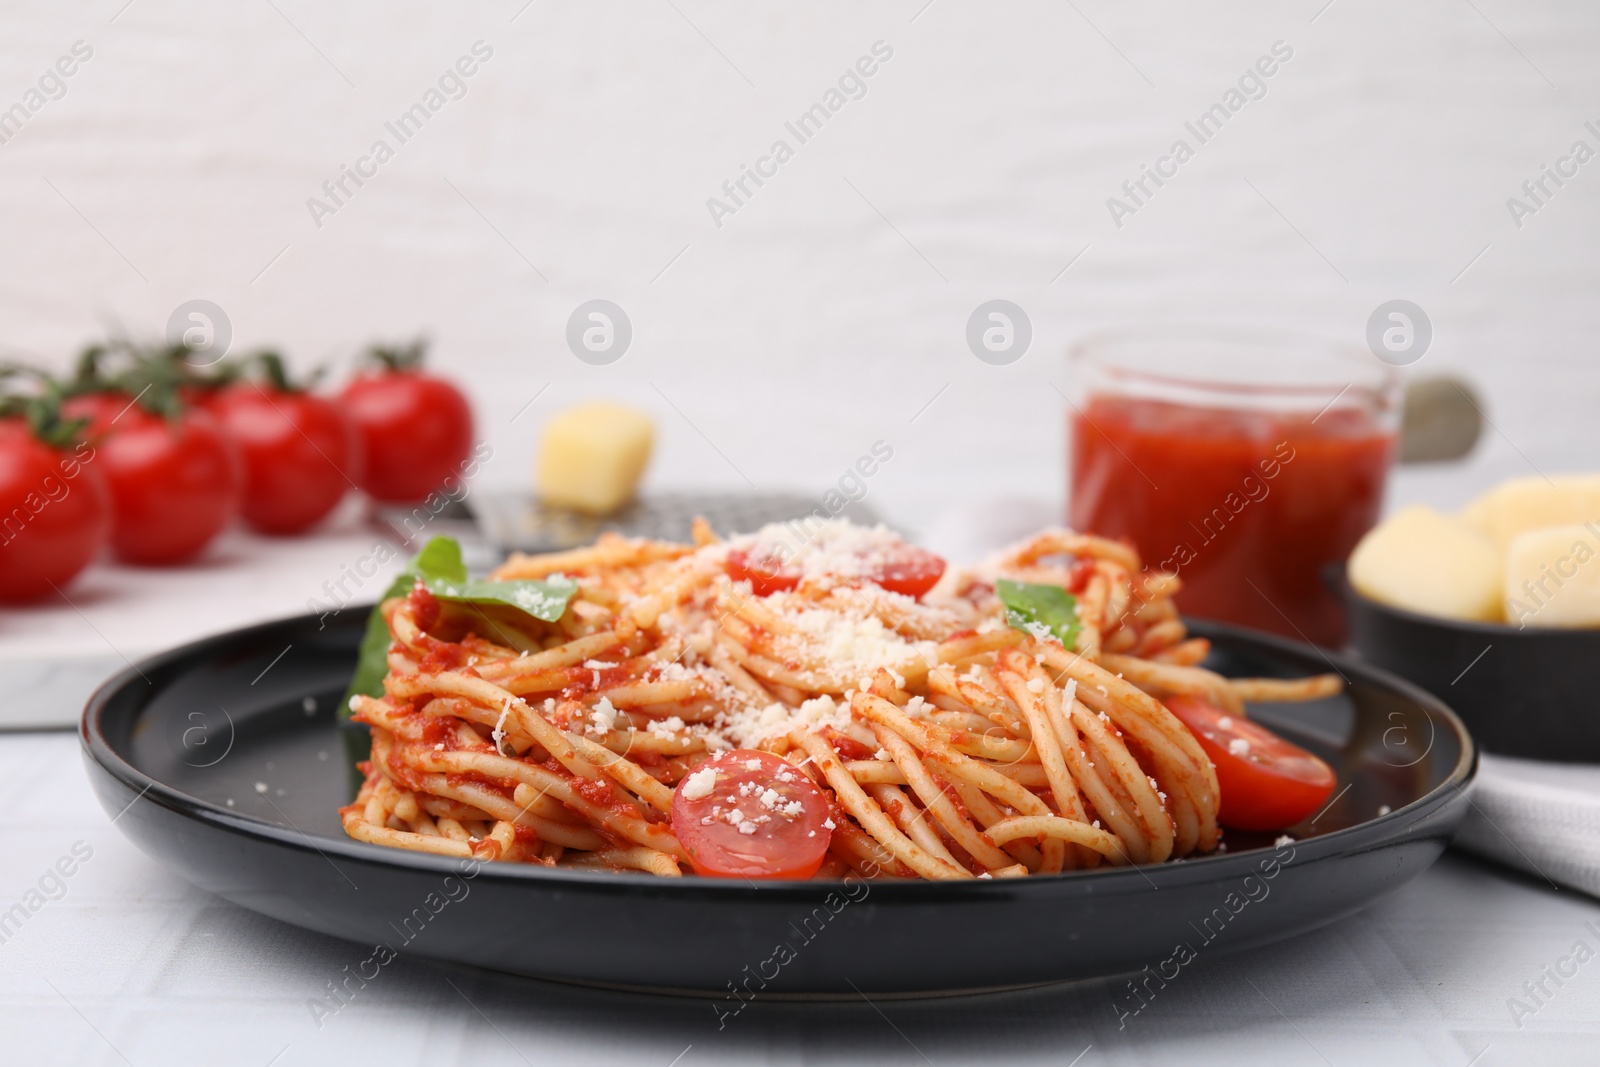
<point x="1543" y="818"/>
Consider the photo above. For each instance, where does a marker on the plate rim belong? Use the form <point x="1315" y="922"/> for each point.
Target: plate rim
<point x="1205" y="868"/>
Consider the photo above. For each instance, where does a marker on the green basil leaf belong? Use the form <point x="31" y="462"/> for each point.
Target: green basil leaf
<point x="439" y="559"/>
<point x="372" y="662"/>
<point x="443" y="573"/>
<point x="545" y="600"/>
<point x="1041" y="610"/>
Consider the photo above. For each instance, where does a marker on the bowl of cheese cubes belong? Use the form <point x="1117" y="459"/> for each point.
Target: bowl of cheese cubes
<point x="1495" y="610"/>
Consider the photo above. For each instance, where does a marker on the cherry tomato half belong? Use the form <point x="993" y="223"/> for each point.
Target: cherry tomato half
<point x="55" y="513"/>
<point x="909" y="570"/>
<point x="747" y="814"/>
<point x="174" y="483"/>
<point x="415" y="429"/>
<point x="1267" y="783"/>
<point x="300" y="453"/>
<point x="765" y="574"/>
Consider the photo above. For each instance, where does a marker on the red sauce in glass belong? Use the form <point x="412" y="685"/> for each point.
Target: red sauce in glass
<point x="1247" y="507"/>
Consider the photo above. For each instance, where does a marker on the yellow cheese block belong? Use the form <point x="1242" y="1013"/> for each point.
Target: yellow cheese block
<point x="1515" y="507"/>
<point x="1553" y="577"/>
<point x="592" y="456"/>
<point x="1431" y="563"/>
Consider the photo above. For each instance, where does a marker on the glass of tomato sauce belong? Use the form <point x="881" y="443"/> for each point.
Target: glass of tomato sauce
<point x="1243" y="461"/>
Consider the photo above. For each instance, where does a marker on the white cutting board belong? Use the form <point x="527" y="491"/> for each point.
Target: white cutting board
<point x="55" y="653"/>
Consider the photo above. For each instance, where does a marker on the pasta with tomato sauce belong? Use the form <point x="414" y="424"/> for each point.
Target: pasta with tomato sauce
<point x="819" y="698"/>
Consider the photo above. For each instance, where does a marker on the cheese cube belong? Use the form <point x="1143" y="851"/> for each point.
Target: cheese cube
<point x="1515" y="507"/>
<point x="592" y="456"/>
<point x="1432" y="563"/>
<point x="1553" y="577"/>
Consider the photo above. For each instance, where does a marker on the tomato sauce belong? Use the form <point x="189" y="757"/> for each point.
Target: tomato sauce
<point x="1247" y="507"/>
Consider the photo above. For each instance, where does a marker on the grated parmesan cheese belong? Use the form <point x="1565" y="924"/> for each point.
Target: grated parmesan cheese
<point x="699" y="784"/>
<point x="603" y="715"/>
<point x="499" y="733"/>
<point x="749" y="727"/>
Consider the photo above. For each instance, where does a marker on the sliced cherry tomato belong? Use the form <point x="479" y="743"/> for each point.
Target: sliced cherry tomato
<point x="1267" y="783"/>
<point x="910" y="571"/>
<point x="55" y="512"/>
<point x="300" y="453"/>
<point x="175" y="483"/>
<point x="748" y="814"/>
<point x="765" y="574"/>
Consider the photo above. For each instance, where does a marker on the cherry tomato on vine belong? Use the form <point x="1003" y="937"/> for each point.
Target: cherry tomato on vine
<point x="175" y="481"/>
<point x="301" y="452"/>
<point x="415" y="428"/>
<point x="55" y="511"/>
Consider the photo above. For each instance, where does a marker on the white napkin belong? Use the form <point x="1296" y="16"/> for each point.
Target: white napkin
<point x="1543" y="818"/>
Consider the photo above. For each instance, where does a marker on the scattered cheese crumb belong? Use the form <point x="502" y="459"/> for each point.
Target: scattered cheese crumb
<point x="1284" y="840"/>
<point x="261" y="787"/>
<point x="1239" y="747"/>
<point x="1035" y="685"/>
<point x="1384" y="809"/>
<point x="499" y="732"/>
<point x="668" y="727"/>
<point x="699" y="784"/>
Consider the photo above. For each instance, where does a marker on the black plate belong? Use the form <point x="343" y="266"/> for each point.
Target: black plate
<point x="1521" y="692"/>
<point x="224" y="760"/>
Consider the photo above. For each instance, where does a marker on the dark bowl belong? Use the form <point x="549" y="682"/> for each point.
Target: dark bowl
<point x="1522" y="692"/>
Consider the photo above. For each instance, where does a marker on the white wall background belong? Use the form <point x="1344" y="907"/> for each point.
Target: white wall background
<point x="180" y="159"/>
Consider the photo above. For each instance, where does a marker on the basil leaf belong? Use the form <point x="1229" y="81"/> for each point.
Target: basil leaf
<point x="439" y="559"/>
<point x="372" y="662"/>
<point x="545" y="600"/>
<point x="1041" y="610"/>
<point x="442" y="572"/>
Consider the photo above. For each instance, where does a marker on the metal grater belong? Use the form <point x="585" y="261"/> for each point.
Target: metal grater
<point x="518" y="522"/>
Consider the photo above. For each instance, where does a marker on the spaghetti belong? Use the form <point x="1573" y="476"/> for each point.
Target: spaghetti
<point x="801" y="680"/>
